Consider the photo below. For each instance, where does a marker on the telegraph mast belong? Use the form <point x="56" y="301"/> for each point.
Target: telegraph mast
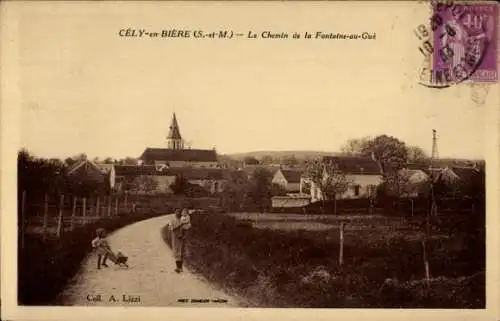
<point x="435" y="154"/>
<point x="434" y="180"/>
<point x="433" y="207"/>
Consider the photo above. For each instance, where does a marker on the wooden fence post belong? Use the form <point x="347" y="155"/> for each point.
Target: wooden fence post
<point x="84" y="206"/>
<point x="73" y="213"/>
<point x="426" y="262"/>
<point x="109" y="205"/>
<point x="45" y="214"/>
<point x="60" y="222"/>
<point x="97" y="207"/>
<point x="412" y="207"/>
<point x="341" y="250"/>
<point x="22" y="223"/>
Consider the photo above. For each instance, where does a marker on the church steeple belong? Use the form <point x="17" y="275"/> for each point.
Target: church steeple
<point x="174" y="139"/>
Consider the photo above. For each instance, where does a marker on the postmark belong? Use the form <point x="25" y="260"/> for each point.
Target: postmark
<point x="459" y="44"/>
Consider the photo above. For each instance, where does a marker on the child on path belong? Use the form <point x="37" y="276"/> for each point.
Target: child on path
<point x="102" y="247"/>
<point x="185" y="219"/>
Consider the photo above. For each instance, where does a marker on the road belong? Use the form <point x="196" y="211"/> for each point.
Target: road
<point x="150" y="279"/>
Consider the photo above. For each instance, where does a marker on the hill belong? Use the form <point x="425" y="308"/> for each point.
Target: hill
<point x="300" y="154"/>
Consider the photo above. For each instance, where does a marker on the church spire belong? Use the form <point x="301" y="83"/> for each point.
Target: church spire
<point x="174" y="139"/>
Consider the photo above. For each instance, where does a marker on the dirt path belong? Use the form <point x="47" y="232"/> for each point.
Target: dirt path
<point x="150" y="277"/>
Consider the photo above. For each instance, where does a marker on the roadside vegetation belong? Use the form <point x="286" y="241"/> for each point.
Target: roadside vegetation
<point x="382" y="265"/>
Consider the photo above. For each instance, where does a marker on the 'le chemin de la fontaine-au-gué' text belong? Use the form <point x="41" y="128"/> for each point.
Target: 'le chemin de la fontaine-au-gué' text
<point x="229" y="34"/>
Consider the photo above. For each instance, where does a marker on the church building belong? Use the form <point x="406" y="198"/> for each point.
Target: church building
<point x="175" y="155"/>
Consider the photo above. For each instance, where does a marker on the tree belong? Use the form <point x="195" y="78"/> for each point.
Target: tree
<point x="228" y="162"/>
<point x="250" y="160"/>
<point x="326" y="179"/>
<point x="306" y="187"/>
<point x="416" y="154"/>
<point x="39" y="175"/>
<point x="355" y="146"/>
<point x="139" y="184"/>
<point x="180" y="185"/>
<point x="108" y="160"/>
<point x="128" y="161"/>
<point x="81" y="157"/>
<point x="289" y="160"/>
<point x="389" y="151"/>
<point x="397" y="183"/>
<point x="335" y="182"/>
<point x="267" y="160"/>
<point x="70" y="161"/>
<point x="234" y="191"/>
<point x="146" y="184"/>
<point x="258" y="194"/>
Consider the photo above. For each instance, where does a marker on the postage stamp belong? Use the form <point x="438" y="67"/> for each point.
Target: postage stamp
<point x="461" y="43"/>
<point x="466" y="43"/>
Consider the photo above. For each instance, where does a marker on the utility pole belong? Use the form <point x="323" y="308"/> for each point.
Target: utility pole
<point x="435" y="154"/>
<point x="434" y="157"/>
<point x="432" y="210"/>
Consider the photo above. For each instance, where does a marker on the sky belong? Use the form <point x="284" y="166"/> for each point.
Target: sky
<point x="87" y="90"/>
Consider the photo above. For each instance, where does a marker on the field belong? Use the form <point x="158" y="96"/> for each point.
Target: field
<point x="357" y="227"/>
<point x="290" y="260"/>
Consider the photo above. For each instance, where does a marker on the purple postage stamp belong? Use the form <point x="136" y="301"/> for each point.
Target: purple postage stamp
<point x="465" y="42"/>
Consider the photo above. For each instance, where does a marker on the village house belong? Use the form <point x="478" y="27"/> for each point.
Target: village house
<point x="363" y="174"/>
<point x="289" y="179"/>
<point x="419" y="176"/>
<point x="87" y="171"/>
<point x="213" y="180"/>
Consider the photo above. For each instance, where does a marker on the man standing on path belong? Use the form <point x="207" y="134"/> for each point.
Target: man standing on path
<point x="178" y="228"/>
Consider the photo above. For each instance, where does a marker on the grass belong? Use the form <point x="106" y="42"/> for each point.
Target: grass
<point x="383" y="267"/>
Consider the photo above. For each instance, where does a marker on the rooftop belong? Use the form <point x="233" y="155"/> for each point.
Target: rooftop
<point x="189" y="155"/>
<point x="292" y="176"/>
<point x="355" y="165"/>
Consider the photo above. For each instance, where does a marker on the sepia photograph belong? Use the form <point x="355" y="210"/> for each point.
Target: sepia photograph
<point x="319" y="155"/>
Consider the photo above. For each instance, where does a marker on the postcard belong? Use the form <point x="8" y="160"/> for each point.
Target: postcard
<point x="261" y="160"/>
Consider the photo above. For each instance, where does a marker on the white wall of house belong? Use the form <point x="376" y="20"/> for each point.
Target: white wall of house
<point x="286" y="201"/>
<point x="359" y="187"/>
<point x="279" y="179"/>
<point x="164" y="183"/>
<point x="211" y="185"/>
